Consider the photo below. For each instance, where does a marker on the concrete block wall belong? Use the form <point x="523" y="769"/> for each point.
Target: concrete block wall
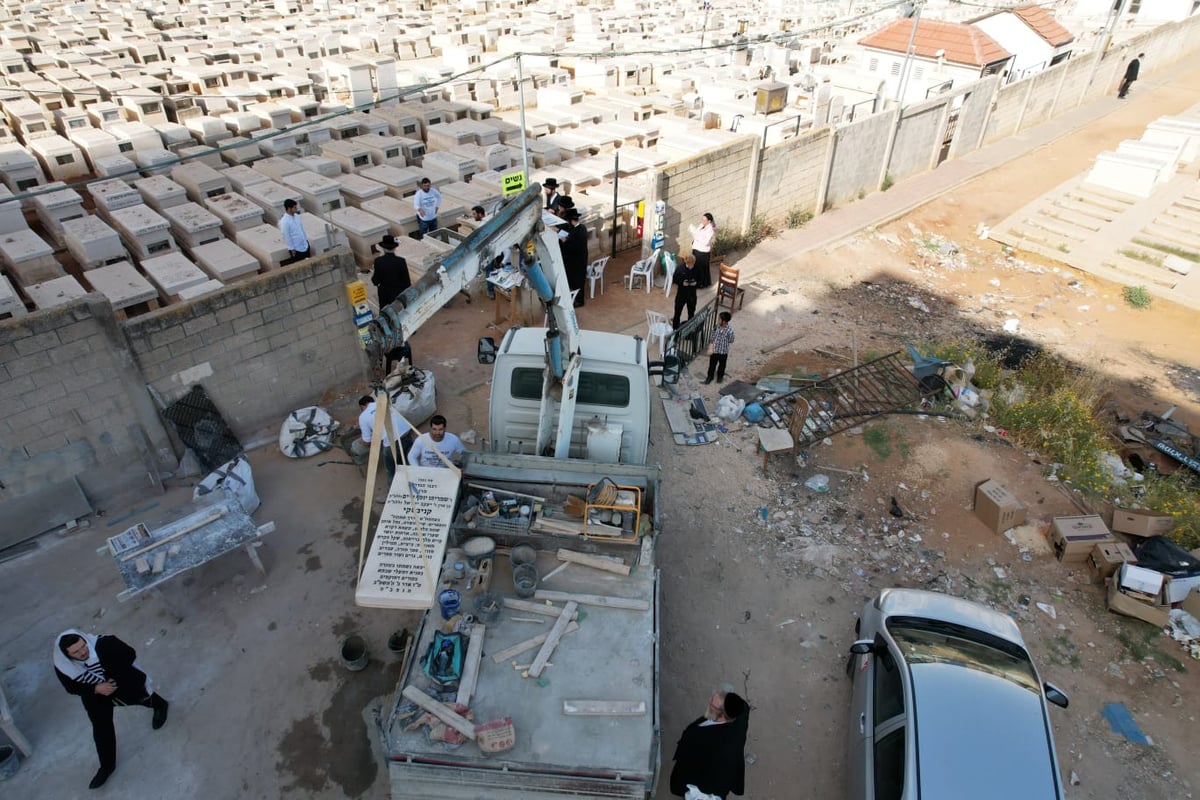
<point x="919" y="136"/>
<point x="1042" y="95"/>
<point x="717" y="181"/>
<point x="1007" y="110"/>
<point x="973" y="115"/>
<point x="1074" y="89"/>
<point x="73" y="404"/>
<point x="858" y="153"/>
<point x="261" y="347"/>
<point x="791" y="174"/>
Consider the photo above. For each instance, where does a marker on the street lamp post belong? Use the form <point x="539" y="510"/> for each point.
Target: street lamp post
<point x="908" y="54"/>
<point x="707" y="6"/>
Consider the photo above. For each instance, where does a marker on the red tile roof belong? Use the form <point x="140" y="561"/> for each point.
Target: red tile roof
<point x="963" y="43"/>
<point x="1044" y="25"/>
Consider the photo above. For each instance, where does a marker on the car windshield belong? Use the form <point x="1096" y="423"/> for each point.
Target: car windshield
<point x="932" y="642"/>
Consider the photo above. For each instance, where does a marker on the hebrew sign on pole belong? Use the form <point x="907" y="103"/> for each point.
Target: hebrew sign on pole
<point x="402" y="566"/>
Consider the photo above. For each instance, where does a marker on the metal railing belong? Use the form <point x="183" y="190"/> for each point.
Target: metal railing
<point x="865" y="107"/>
<point x="693" y="336"/>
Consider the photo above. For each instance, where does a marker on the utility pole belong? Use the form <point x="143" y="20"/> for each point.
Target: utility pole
<point x="707" y="6"/>
<point x="908" y="53"/>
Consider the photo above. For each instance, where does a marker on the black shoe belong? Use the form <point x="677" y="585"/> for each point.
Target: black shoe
<point x="707" y="381"/>
<point x="100" y="777"/>
<point x="721" y="379"/>
<point x="160" y="716"/>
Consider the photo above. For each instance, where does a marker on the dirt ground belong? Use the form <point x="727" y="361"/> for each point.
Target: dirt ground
<point x="261" y="707"/>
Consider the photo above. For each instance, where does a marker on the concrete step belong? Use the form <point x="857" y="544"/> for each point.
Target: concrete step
<point x="1141" y="272"/>
<point x="1065" y="231"/>
<point x="1177" y="223"/>
<point x="1171" y="236"/>
<point x="1191" y="216"/>
<point x="1043" y="239"/>
<point x="1086" y="208"/>
<point x="1115" y="199"/>
<point x="1100" y="201"/>
<point x="1074" y="218"/>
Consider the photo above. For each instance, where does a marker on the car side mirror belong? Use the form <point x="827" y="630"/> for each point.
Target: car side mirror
<point x="862" y="647"/>
<point x="1056" y="695"/>
<point x="485" y="351"/>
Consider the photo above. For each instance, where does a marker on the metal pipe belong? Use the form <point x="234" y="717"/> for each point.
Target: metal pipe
<point x="521" y="96"/>
<point x="616" y="180"/>
<point x="908" y="53"/>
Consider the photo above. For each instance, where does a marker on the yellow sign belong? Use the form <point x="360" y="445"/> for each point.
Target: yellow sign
<point x="514" y="183"/>
<point x="357" y="291"/>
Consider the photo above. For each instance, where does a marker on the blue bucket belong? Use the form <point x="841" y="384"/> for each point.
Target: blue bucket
<point x="448" y="601"/>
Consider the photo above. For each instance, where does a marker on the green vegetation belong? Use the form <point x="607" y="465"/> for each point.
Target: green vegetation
<point x="1190" y="255"/>
<point x="1063" y="652"/>
<point x="879" y="439"/>
<point x="798" y="217"/>
<point x="1139" y="643"/>
<point x="1137" y="296"/>
<point x="1063" y="247"/>
<point x="728" y="241"/>
<point x="887" y="183"/>
<point x="1143" y="256"/>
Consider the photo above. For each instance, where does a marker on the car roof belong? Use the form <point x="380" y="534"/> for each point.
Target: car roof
<point x="595" y="345"/>
<point x="931" y="605"/>
<point x="980" y="736"/>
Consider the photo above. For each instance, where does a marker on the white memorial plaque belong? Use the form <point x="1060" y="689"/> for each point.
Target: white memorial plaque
<point x="406" y="555"/>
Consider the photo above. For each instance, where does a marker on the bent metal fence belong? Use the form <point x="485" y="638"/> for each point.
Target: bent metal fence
<point x="693" y="336"/>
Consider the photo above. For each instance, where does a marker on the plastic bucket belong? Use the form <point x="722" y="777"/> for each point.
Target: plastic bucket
<point x="354" y="652"/>
<point x="525" y="579"/>
<point x="9" y="761"/>
<point x="449" y="601"/>
<point x="487" y="608"/>
<point x="397" y="642"/>
<point x="522" y="554"/>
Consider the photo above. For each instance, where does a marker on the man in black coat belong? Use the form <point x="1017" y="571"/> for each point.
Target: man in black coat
<point x="1131" y="75"/>
<point x="711" y="752"/>
<point x="391" y="273"/>
<point x="103" y="672"/>
<point x="574" y="247"/>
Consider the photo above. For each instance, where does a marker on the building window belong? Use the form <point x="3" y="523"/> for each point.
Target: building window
<point x="918" y="72"/>
<point x="874" y="65"/>
<point x="895" y="69"/>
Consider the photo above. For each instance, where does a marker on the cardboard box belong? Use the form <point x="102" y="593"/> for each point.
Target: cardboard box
<point x="1179" y="588"/>
<point x="1191" y="603"/>
<point x="1140" y="522"/>
<point x="997" y="507"/>
<point x="1139" y="580"/>
<point x="1074" y="537"/>
<point x="1121" y="603"/>
<point x="1107" y="557"/>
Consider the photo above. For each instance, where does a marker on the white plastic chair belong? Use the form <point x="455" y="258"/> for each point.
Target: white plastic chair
<point x="669" y="264"/>
<point x="595" y="272"/>
<point x="658" y="328"/>
<point x="644" y="269"/>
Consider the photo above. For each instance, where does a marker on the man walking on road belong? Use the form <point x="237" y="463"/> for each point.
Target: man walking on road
<point x="1131" y="75"/>
<point x="711" y="752"/>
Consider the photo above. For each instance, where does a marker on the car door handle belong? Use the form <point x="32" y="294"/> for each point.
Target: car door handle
<point x="862" y="723"/>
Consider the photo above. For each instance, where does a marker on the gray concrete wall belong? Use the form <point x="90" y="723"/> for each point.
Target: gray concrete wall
<point x="1007" y="110"/>
<point x="858" y="153"/>
<point x="790" y="174"/>
<point x="718" y="181"/>
<point x="1042" y="95"/>
<point x="918" y="137"/>
<point x="74" y="404"/>
<point x="260" y="348"/>
<point x="972" y="115"/>
<point x="73" y="379"/>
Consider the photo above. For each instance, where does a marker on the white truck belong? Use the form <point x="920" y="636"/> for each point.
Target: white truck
<point x="556" y="391"/>
<point x="585" y="725"/>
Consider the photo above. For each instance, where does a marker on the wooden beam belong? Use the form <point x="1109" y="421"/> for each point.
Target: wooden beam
<point x="556" y="633"/>
<point x="212" y="517"/>
<point x="604" y="601"/>
<point x="604" y="708"/>
<point x="441" y="711"/>
<point x="528" y="644"/>
<point x="533" y="608"/>
<point x="470" y="676"/>
<point x="605" y="563"/>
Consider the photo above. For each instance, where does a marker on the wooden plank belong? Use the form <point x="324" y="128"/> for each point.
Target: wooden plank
<point x="441" y="711"/>
<point x="211" y="517"/>
<point x="556" y="633"/>
<point x="604" y="601"/>
<point x="528" y="644"/>
<point x="607" y="564"/>
<point x="470" y="676"/>
<point x="533" y="608"/>
<point x="160" y="562"/>
<point x="557" y="526"/>
<point x="604" y="708"/>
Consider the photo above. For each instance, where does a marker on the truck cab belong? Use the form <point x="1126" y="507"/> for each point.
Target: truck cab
<point x="612" y="411"/>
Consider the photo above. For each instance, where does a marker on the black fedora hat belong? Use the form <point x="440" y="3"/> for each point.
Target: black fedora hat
<point x="388" y="242"/>
<point x="550" y="183"/>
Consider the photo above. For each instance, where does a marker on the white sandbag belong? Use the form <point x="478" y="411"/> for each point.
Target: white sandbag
<point x="730" y="408"/>
<point x="233" y="477"/>
<point x="306" y="432"/>
<point x="416" y="398"/>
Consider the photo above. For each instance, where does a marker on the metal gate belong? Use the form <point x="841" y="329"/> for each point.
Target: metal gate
<point x="951" y="128"/>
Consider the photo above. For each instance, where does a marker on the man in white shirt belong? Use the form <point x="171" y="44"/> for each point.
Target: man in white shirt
<point x="366" y="425"/>
<point x="294" y="237"/>
<point x="422" y="453"/>
<point x="427" y="202"/>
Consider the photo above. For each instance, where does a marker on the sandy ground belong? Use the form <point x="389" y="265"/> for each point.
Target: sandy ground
<point x="262" y="707"/>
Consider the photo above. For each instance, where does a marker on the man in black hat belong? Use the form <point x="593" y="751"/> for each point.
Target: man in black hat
<point x="711" y="752"/>
<point x="550" y="187"/>
<point x="574" y="245"/>
<point x="1131" y="75"/>
<point x="391" y="272"/>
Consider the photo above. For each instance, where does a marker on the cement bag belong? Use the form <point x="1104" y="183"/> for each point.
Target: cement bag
<point x="730" y="408"/>
<point x="306" y="432"/>
<point x="235" y="479"/>
<point x="416" y="397"/>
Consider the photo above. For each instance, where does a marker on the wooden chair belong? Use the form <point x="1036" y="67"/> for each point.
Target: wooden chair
<point x="728" y="290"/>
<point x="777" y="440"/>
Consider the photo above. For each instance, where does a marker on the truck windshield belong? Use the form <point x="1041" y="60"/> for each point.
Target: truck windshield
<point x="595" y="388"/>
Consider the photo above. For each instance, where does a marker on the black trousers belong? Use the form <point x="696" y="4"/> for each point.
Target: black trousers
<point x="295" y="255"/>
<point x="716" y="364"/>
<point x="684" y="297"/>
<point x="1125" y="84"/>
<point x="702" y="267"/>
<point x="100" y="712"/>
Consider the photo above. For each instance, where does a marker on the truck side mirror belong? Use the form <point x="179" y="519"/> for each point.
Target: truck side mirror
<point x="485" y="351"/>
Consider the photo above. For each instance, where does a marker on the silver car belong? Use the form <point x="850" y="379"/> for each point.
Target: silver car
<point x="946" y="705"/>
